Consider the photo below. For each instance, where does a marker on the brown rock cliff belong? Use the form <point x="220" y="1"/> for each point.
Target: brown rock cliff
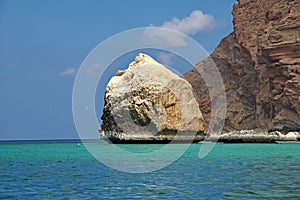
<point x="260" y="65"/>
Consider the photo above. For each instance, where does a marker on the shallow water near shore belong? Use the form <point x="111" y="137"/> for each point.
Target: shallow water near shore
<point x="231" y="171"/>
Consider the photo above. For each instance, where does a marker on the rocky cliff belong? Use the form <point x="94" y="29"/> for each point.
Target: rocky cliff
<point x="260" y="65"/>
<point x="147" y="103"/>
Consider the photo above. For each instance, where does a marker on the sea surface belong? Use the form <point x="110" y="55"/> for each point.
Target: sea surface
<point x="66" y="170"/>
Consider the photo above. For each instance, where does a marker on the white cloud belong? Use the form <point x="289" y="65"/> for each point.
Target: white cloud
<point x="166" y="58"/>
<point x="68" y="72"/>
<point x="196" y="22"/>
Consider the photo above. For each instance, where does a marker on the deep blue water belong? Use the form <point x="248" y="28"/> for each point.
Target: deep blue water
<point x="230" y="171"/>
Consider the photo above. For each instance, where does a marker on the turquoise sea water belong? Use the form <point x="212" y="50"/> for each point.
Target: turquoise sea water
<point x="230" y="171"/>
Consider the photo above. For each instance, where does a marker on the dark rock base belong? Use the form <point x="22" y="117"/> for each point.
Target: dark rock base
<point x="120" y="141"/>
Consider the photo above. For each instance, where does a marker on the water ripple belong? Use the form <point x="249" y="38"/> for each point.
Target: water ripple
<point x="68" y="171"/>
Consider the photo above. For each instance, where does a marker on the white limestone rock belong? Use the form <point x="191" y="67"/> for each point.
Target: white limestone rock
<point x="149" y="103"/>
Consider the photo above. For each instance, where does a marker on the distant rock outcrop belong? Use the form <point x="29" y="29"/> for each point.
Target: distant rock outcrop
<point x="260" y="65"/>
<point x="257" y="136"/>
<point x="147" y="103"/>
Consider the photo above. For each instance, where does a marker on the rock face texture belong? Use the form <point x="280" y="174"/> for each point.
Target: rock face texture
<point x="240" y="80"/>
<point x="260" y="65"/>
<point x="147" y="103"/>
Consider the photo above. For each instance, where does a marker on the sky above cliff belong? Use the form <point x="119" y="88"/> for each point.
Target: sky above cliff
<point x="43" y="43"/>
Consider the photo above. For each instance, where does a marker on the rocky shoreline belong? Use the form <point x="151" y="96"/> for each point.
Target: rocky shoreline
<point x="151" y="140"/>
<point x="242" y="136"/>
<point x="253" y="136"/>
<point x="135" y="115"/>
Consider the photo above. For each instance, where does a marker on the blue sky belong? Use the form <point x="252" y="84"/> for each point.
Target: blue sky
<point x="43" y="43"/>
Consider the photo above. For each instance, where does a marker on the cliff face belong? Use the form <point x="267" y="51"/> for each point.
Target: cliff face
<point x="260" y="65"/>
<point x="239" y="78"/>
